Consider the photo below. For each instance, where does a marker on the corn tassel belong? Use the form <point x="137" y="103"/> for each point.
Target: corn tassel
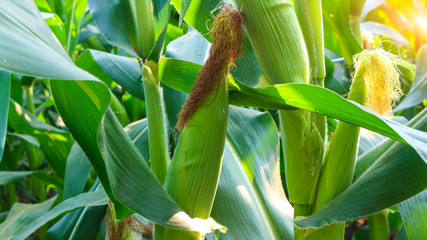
<point x="193" y="176"/>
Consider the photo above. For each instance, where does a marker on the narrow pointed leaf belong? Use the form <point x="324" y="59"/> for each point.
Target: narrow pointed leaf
<point x="414" y="212"/>
<point x="418" y="90"/>
<point x="11" y="176"/>
<point x="185" y="4"/>
<point x="250" y="179"/>
<point x="27" y="138"/>
<point x="81" y="223"/>
<point x="336" y="15"/>
<point x="116" y="22"/>
<point x="97" y="198"/>
<point x="4" y="107"/>
<point x="77" y="172"/>
<point x="75" y="10"/>
<point x="122" y="70"/>
<point x="21" y="216"/>
<point x="181" y="75"/>
<point x="138" y="133"/>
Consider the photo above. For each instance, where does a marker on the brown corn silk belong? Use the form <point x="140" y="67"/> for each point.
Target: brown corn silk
<point x="227" y="33"/>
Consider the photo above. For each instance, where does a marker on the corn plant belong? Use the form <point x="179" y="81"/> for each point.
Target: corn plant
<point x="210" y="119"/>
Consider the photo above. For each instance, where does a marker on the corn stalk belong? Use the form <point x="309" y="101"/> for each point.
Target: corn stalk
<point x="275" y="35"/>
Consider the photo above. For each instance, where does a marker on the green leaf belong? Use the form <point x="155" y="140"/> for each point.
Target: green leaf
<point x="90" y="97"/>
<point x="77" y="172"/>
<point x="200" y="16"/>
<point x="138" y="133"/>
<point x="27" y="48"/>
<point x="161" y="11"/>
<point x="4" y="107"/>
<point x="413" y="212"/>
<point x="75" y="10"/>
<point x="396" y="174"/>
<point x="88" y="63"/>
<point x="181" y="75"/>
<point x="185" y="4"/>
<point x="37" y="48"/>
<point x="82" y="223"/>
<point x="11" y="176"/>
<point x="54" y="142"/>
<point x="336" y="15"/>
<point x="124" y="71"/>
<point x="8" y="177"/>
<point x="385" y="30"/>
<point x="192" y="47"/>
<point x="418" y="90"/>
<point x="57" y="26"/>
<point x="27" y="138"/>
<point x="116" y="22"/>
<point x="20" y="217"/>
<point x="336" y="77"/>
<point x="250" y="200"/>
<point x="126" y="178"/>
<point x="156" y="51"/>
<point x="22" y="120"/>
<point x="97" y="198"/>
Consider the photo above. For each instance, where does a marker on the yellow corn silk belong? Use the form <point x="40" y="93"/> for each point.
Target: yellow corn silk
<point x="381" y="78"/>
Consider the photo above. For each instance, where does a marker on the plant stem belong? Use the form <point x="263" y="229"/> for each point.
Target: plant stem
<point x="378" y="226"/>
<point x="158" y="137"/>
<point x="33" y="151"/>
<point x="12" y="195"/>
<point x="30" y="99"/>
<point x="303" y="151"/>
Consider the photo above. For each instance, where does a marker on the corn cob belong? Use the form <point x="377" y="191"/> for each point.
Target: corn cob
<point x="194" y="172"/>
<point x="376" y="85"/>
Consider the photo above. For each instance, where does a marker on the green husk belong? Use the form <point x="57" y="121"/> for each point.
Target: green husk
<point x="192" y="179"/>
<point x="277" y="40"/>
<point x="144" y="26"/>
<point x="279" y="45"/>
<point x="309" y="13"/>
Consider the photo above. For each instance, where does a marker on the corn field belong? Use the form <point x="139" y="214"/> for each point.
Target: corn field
<point x="213" y="119"/>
